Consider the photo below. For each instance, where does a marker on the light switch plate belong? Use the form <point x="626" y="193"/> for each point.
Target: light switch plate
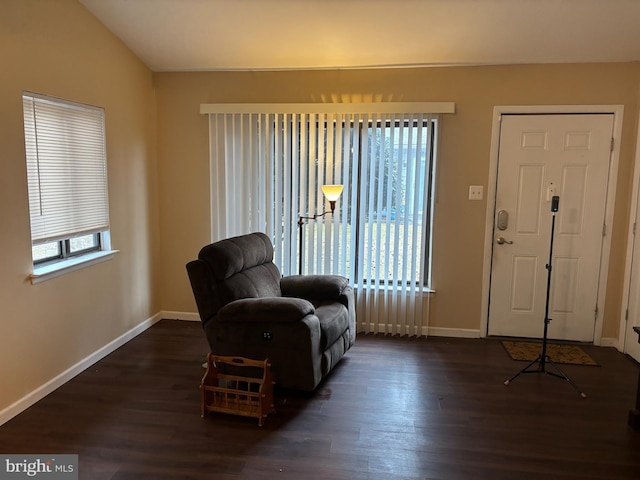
<point x="476" y="192"/>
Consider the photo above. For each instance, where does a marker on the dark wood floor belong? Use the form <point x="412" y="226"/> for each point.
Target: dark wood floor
<point x="393" y="409"/>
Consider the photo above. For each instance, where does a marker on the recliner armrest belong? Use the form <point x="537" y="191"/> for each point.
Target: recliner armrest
<point x="270" y="309"/>
<point x="316" y="287"/>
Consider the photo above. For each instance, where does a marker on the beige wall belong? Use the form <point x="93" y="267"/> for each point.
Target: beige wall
<point x="58" y="48"/>
<point x="464" y="157"/>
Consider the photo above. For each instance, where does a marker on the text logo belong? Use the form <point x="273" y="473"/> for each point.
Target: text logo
<point x="50" y="467"/>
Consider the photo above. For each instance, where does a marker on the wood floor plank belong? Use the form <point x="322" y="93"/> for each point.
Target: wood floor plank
<point x="394" y="408"/>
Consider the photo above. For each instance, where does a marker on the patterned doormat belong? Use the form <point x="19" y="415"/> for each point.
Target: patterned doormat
<point x="559" y="353"/>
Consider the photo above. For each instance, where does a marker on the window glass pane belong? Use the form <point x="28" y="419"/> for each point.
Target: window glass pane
<point x="85" y="242"/>
<point x="388" y="217"/>
<point x="379" y="233"/>
<point x="398" y="164"/>
<point x="45" y="251"/>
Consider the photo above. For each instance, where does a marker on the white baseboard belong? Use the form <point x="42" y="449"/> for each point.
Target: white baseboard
<point x="609" y="342"/>
<point x="189" y="316"/>
<point x="435" y="332"/>
<point x="39" y="393"/>
<point x="453" y="332"/>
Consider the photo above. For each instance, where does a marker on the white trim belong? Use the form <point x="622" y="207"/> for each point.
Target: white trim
<point x="610" y="342"/>
<point x="609" y="214"/>
<point x="492" y="186"/>
<point x="381" y="107"/>
<point x="186" y="316"/>
<point x="47" y="272"/>
<point x="431" y="332"/>
<point x="498" y="111"/>
<point x="453" y="332"/>
<point x="39" y="393"/>
<point x="628" y="266"/>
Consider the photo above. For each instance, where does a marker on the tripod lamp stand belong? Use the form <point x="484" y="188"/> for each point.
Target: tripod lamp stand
<point x="332" y="193"/>
<point x="544" y="359"/>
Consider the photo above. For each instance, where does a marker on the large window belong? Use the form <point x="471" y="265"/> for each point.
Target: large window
<point x="267" y="170"/>
<point x="67" y="179"/>
<point x="381" y="234"/>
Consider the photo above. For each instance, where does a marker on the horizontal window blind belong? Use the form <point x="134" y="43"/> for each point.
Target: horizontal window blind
<point x="66" y="168"/>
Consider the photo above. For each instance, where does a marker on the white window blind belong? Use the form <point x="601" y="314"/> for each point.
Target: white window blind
<point x="66" y="168"/>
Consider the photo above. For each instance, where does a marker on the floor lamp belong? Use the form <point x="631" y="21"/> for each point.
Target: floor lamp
<point x="332" y="193"/>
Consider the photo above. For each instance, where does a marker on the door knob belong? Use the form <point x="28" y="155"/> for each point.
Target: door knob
<point x="501" y="240"/>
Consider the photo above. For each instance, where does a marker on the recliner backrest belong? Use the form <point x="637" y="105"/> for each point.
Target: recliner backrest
<point x="234" y="268"/>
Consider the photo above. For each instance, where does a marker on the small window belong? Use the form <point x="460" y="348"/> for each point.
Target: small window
<point x="67" y="178"/>
<point x="68" y="248"/>
<point x="46" y="252"/>
<point x="86" y="243"/>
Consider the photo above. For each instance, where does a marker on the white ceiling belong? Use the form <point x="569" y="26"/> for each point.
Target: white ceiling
<point x="188" y="35"/>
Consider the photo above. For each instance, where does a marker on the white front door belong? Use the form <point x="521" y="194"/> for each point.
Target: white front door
<point x="541" y="156"/>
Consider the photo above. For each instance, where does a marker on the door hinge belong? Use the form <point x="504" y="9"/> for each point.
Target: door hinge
<point x="596" y="312"/>
<point x="626" y="315"/>
<point x="633" y="230"/>
<point x="604" y="229"/>
<point x="613" y="142"/>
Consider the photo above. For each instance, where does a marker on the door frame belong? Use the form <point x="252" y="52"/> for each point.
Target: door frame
<point x="631" y="239"/>
<point x="498" y="111"/>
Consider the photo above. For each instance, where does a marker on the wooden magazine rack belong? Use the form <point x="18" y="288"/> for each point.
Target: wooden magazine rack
<point x="223" y="390"/>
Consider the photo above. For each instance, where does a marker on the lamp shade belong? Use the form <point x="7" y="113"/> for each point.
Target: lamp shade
<point x="332" y="192"/>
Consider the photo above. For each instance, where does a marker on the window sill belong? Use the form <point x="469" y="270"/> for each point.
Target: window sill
<point x="47" y="272"/>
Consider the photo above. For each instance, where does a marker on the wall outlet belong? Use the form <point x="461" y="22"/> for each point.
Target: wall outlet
<point x="476" y="192"/>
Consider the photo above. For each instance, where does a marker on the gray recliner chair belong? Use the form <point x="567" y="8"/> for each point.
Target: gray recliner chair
<point x="304" y="324"/>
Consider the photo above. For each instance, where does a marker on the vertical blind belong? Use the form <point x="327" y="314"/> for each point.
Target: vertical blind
<point x="267" y="170"/>
<point x="66" y="168"/>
